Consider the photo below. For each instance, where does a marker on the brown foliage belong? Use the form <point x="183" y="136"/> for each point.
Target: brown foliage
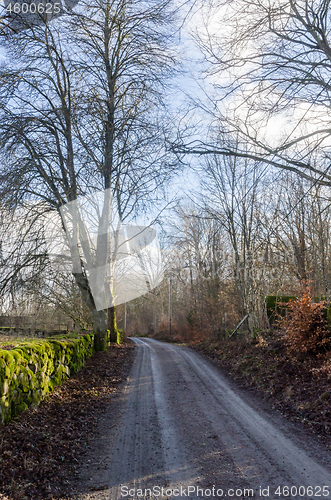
<point x="181" y="333"/>
<point x="324" y="370"/>
<point x="306" y="329"/>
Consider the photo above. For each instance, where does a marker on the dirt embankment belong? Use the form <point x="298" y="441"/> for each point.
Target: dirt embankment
<point x="288" y="383"/>
<point x="41" y="452"/>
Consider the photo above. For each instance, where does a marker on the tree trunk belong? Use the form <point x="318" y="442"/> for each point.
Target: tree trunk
<point x="100" y="330"/>
<point x="99" y="317"/>
<point x="111" y="323"/>
<point x="251" y="299"/>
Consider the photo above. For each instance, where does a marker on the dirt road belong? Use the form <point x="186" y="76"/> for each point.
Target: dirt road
<point x="185" y="429"/>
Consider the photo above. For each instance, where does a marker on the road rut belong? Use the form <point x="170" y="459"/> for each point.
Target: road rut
<point x="184" y="427"/>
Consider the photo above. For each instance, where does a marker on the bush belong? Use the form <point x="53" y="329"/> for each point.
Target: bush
<point x="306" y="328"/>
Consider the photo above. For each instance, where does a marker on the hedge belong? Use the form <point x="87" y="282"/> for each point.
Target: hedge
<point x="29" y="371"/>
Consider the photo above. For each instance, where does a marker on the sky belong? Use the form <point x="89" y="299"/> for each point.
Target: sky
<point x="192" y="93"/>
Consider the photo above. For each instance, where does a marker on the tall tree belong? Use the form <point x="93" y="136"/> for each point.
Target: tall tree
<point x="236" y="201"/>
<point x="81" y="110"/>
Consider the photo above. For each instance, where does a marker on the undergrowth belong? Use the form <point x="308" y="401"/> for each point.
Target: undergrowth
<point x="306" y="327"/>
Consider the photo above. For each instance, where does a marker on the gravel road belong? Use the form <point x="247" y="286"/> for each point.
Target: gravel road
<point x="187" y="429"/>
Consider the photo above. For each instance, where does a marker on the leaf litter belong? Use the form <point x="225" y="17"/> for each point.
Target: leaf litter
<point x="42" y="450"/>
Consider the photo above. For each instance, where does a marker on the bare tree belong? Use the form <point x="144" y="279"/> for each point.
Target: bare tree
<point x="269" y="65"/>
<point x="23" y="258"/>
<point x="79" y="113"/>
<point x="299" y="232"/>
<point x="233" y="196"/>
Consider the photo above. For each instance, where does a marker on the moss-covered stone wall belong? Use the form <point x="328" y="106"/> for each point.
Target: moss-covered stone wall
<point x="33" y="368"/>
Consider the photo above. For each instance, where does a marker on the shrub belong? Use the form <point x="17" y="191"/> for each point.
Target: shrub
<point x="306" y="328"/>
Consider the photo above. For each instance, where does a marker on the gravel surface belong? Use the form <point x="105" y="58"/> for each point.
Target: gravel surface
<point x="179" y="423"/>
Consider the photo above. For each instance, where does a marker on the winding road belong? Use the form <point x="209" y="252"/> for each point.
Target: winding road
<point x="186" y="429"/>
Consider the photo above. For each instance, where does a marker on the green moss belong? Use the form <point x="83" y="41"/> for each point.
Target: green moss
<point x="19" y="408"/>
<point x="120" y="336"/>
<point x="33" y="368"/>
<point x="276" y="305"/>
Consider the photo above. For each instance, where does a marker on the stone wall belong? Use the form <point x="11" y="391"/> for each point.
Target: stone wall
<point x="33" y="368"/>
